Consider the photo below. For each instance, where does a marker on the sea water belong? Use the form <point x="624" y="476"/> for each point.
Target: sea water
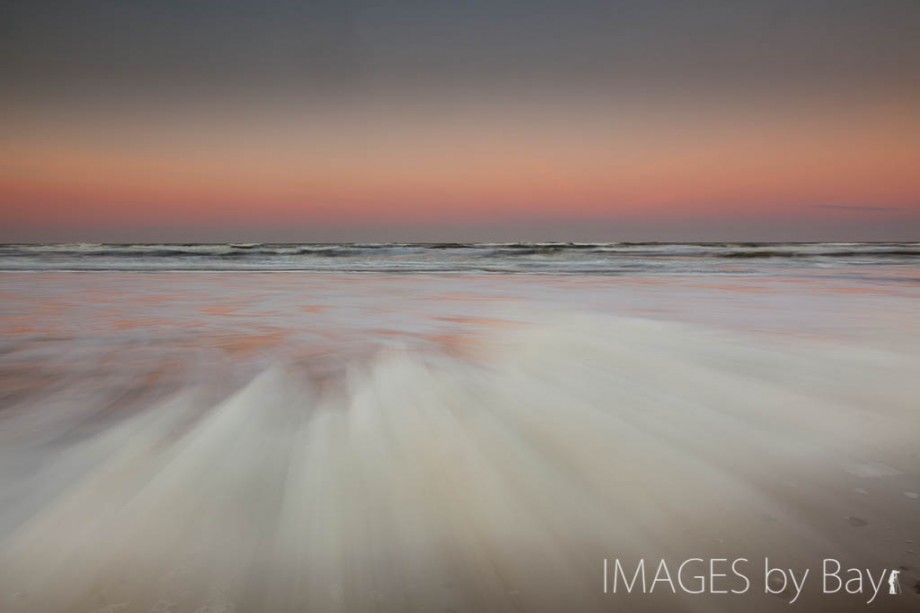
<point x="450" y="427"/>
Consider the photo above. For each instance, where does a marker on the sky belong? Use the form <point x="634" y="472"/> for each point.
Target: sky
<point x="339" y="120"/>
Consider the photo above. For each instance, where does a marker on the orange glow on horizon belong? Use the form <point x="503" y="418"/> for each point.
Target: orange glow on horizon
<point x="648" y="166"/>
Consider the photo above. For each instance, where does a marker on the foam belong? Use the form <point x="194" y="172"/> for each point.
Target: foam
<point x="492" y="483"/>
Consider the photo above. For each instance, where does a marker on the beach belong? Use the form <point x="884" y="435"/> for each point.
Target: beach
<point x="457" y="427"/>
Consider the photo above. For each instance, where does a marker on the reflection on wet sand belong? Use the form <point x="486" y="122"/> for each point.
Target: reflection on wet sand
<point x="310" y="442"/>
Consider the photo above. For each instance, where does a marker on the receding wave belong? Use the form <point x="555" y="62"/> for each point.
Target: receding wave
<point x="498" y="481"/>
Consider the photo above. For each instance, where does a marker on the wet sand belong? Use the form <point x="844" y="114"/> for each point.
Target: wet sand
<point x="466" y="443"/>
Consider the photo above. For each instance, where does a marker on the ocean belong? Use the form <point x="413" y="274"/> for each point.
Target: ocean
<point x="465" y="427"/>
<point x="547" y="258"/>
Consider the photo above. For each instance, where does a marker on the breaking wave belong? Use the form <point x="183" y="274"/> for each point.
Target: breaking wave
<point x="598" y="258"/>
